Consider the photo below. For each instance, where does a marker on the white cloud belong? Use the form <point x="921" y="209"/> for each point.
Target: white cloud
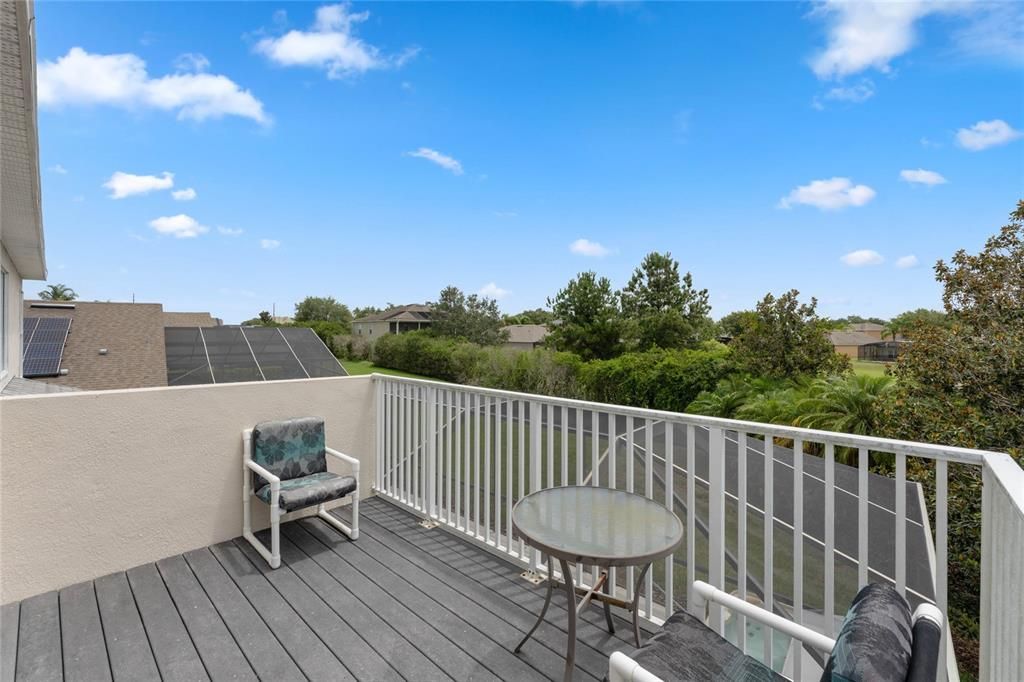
<point x="853" y="94"/>
<point x="121" y="80"/>
<point x="864" y="35"/>
<point x="331" y="44"/>
<point x="505" y="214"/>
<point x="904" y="262"/>
<point x="230" y="231"/>
<point x="492" y="290"/>
<point x="585" y="247"/>
<point x="123" y="185"/>
<point x="181" y="226"/>
<point x="187" y="194"/>
<point x="985" y="134"/>
<point x="442" y="160"/>
<point x="191" y="62"/>
<point x="858" y="259"/>
<point x="869" y="34"/>
<point x="829" y="195"/>
<point x="922" y="177"/>
<point x="269" y="244"/>
<point x="59" y="169"/>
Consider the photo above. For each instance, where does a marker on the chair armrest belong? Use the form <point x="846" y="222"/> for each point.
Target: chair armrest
<point x="275" y="482"/>
<point x="704" y="593"/>
<point x="622" y="668"/>
<point x="925" y="644"/>
<point x="349" y="459"/>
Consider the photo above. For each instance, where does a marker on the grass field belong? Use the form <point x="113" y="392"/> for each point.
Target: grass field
<point x="873" y="369"/>
<point x="357" y="367"/>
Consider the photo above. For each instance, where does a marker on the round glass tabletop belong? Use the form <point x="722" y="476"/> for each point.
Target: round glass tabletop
<point x="597" y="525"/>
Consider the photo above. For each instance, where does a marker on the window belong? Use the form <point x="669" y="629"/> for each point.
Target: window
<point x="3" y="322"/>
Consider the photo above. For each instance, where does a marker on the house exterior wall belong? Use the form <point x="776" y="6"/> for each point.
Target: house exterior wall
<point x="849" y="351"/>
<point x="10" y="309"/>
<point x="370" y="330"/>
<point x="132" y="476"/>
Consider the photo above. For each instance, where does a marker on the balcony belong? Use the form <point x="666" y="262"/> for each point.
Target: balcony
<point x="99" y="488"/>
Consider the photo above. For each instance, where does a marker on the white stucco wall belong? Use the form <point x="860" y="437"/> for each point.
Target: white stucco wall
<point x="12" y="321"/>
<point x="97" y="482"/>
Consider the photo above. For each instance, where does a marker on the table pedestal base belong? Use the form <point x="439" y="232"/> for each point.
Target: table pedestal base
<point x="575" y="607"/>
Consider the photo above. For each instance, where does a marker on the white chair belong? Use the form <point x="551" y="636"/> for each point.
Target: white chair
<point x="284" y="464"/>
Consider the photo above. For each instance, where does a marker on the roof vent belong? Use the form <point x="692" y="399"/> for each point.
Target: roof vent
<point x="103" y="351"/>
<point x="58" y="306"/>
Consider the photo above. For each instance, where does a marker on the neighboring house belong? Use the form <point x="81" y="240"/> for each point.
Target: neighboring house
<point x="525" y="336"/>
<point x="864" y="342"/>
<point x="103" y="345"/>
<point x="22" y="252"/>
<point x="397" y="320"/>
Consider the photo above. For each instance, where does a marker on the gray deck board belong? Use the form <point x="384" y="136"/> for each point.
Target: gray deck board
<point x="176" y="656"/>
<point x="221" y="656"/>
<point x="8" y="640"/>
<point x="308" y="651"/>
<point x="85" y="652"/>
<point x="264" y="653"/>
<point x="131" y="658"/>
<point x="39" y="648"/>
<point x="401" y="603"/>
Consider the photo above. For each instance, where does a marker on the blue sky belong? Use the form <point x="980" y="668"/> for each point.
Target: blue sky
<point x="378" y="152"/>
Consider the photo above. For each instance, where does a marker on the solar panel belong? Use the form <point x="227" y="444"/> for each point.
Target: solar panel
<point x="230" y="356"/>
<point x="273" y="354"/>
<point x="45" y="347"/>
<point x="27" y="331"/>
<point x="186" y="357"/>
<point x="312" y="353"/>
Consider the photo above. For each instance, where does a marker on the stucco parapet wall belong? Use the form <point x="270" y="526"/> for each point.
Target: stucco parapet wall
<point x="99" y="481"/>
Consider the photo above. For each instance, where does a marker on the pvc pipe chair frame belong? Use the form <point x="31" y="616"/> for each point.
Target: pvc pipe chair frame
<point x="273" y="555"/>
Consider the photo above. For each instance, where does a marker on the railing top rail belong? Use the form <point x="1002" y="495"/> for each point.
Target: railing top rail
<point x="1007" y="469"/>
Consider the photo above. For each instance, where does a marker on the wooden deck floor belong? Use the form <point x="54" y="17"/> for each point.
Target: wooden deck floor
<point x="402" y="602"/>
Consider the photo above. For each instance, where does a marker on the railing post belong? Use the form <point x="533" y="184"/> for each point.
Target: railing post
<point x="431" y="452"/>
<point x="536" y="426"/>
<point x="716" y="509"/>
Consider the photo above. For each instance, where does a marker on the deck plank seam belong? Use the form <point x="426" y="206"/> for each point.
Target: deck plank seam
<point x="467" y="624"/>
<point x="103" y="628"/>
<point x="184" y="626"/>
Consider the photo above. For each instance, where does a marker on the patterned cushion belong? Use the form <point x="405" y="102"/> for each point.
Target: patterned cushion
<point x="874" y="642"/>
<point x="298" y="493"/>
<point x="289" y="448"/>
<point x="687" y="649"/>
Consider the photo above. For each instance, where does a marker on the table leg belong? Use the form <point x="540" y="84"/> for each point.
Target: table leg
<point x="636" y="604"/>
<point x="570" y="593"/>
<point x="607" y="589"/>
<point x="544" y="609"/>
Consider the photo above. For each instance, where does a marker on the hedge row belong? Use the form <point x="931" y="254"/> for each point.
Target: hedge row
<point x="659" y="379"/>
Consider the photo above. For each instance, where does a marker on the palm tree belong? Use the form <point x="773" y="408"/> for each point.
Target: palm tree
<point x="58" y="292"/>
<point x="847" y="404"/>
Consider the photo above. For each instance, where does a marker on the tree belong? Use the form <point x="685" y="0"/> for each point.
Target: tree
<point x="665" y="311"/>
<point x="734" y="323"/>
<point x="58" y="292"/>
<point x="365" y="311"/>
<point x="904" y="324"/>
<point x="469" y="318"/>
<point x="787" y="339"/>
<point x="264" y="319"/>
<point x="847" y="404"/>
<point x="323" y="309"/>
<point x="535" y="316"/>
<point x="587" y="318"/>
<point x="857" y="319"/>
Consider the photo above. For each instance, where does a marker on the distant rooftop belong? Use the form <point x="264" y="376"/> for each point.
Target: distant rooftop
<point x="526" y="333"/>
<point x="414" y="312"/>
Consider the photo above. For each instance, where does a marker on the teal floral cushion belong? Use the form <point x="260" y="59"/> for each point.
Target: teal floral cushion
<point x="289" y="449"/>
<point x="874" y="643"/>
<point x="298" y="493"/>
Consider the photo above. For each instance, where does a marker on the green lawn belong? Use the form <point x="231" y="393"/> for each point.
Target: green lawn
<point x="874" y="369"/>
<point x="357" y="367"/>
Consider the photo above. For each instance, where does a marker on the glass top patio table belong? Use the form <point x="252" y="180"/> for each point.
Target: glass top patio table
<point x="599" y="526"/>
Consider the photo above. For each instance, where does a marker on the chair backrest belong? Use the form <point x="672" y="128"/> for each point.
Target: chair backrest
<point x="289" y="448"/>
<point x="875" y="640"/>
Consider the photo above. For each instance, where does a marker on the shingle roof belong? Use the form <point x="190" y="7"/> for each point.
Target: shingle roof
<point x="526" y="333"/>
<point x="190" y="320"/>
<point x="415" y="312"/>
<point x="851" y="338"/>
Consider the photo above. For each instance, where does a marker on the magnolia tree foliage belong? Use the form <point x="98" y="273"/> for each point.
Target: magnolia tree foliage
<point x="906" y="324"/>
<point x="588" y="319"/>
<point x="469" y="318"/>
<point x="663" y="309"/>
<point x="786" y="339"/>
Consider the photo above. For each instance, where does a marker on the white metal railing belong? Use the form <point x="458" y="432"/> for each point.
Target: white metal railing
<point x="800" y="535"/>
